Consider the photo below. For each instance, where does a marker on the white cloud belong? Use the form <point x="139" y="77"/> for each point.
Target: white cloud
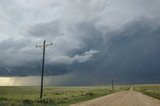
<point x="86" y="56"/>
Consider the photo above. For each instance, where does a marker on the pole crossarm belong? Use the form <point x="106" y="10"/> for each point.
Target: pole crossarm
<point x="46" y="45"/>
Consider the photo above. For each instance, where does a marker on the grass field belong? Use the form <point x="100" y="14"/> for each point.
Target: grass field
<point x="151" y="90"/>
<point x="57" y="96"/>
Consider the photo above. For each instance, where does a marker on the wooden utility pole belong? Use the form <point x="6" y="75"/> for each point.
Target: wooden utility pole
<point x="43" y="60"/>
<point x="112" y="85"/>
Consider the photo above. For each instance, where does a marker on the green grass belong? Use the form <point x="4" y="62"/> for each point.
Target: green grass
<point x="151" y="90"/>
<point x="57" y="96"/>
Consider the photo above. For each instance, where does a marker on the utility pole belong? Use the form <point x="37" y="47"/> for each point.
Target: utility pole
<point x="112" y="85"/>
<point x="43" y="60"/>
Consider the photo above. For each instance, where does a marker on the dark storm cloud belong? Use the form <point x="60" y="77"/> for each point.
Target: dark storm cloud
<point x="130" y="58"/>
<point x="93" y="39"/>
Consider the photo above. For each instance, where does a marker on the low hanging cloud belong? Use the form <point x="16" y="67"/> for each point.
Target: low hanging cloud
<point x="86" y="56"/>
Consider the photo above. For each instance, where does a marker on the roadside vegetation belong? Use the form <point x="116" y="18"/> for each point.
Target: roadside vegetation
<point x="151" y="90"/>
<point x="57" y="96"/>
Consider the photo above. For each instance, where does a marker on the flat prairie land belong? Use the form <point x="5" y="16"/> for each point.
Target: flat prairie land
<point x="57" y="96"/>
<point x="73" y="95"/>
<point x="152" y="90"/>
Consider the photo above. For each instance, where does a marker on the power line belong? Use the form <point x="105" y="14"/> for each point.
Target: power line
<point x="43" y="60"/>
<point x="23" y="29"/>
<point x="12" y="23"/>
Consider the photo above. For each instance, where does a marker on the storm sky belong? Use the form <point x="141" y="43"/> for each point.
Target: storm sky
<point x="93" y="40"/>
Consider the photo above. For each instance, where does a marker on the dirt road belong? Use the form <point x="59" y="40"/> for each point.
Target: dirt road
<point x="123" y="98"/>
